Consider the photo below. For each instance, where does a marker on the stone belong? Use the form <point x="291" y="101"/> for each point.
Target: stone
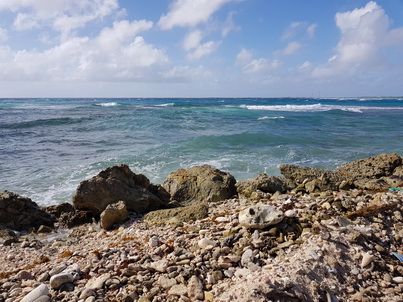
<point x="367" y="258"/>
<point x="260" y="216"/>
<point x="290" y="213"/>
<point x="21" y="213"/>
<point x="264" y="183"/>
<point x="59" y="209"/>
<point x="166" y="282"/>
<point x="72" y="219"/>
<point x="119" y="183"/>
<point x="195" y="289"/>
<point x="178" y="290"/>
<point x="88" y="292"/>
<point x="199" y="184"/>
<point x="205" y="242"/>
<point x="98" y="282"/>
<point x="59" y="279"/>
<point x="179" y="215"/>
<point x="44" y="229"/>
<point x="39" y="291"/>
<point x="247" y="258"/>
<point x="160" y="265"/>
<point x="24" y="275"/>
<point x="372" y="167"/>
<point x="114" y="213"/>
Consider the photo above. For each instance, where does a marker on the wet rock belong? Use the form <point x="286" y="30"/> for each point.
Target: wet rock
<point x="59" y="209"/>
<point x="72" y="219"/>
<point x="200" y="184"/>
<point x="264" y="183"/>
<point x="178" y="215"/>
<point x="21" y="213"/>
<point x="260" y="216"/>
<point x="114" y="184"/>
<point x="114" y="213"/>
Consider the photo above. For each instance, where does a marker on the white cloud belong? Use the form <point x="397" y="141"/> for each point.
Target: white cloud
<point x="117" y="53"/>
<point x="364" y="33"/>
<point x="311" y="30"/>
<point x="229" y="25"/>
<point x="291" y="48"/>
<point x="203" y="50"/>
<point x="63" y="16"/>
<point x="3" y="35"/>
<point x="249" y="65"/>
<point x="192" y="40"/>
<point x="186" y="13"/>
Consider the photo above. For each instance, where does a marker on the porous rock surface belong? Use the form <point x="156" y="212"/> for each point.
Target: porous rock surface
<point x="199" y="184"/>
<point x="119" y="183"/>
<point x="21" y="213"/>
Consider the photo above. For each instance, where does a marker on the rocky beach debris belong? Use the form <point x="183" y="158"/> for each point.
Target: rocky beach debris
<point x="298" y="243"/>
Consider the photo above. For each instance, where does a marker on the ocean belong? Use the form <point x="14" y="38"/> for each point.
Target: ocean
<point x="47" y="146"/>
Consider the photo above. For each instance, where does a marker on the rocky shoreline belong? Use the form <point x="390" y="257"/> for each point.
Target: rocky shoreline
<point x="312" y="235"/>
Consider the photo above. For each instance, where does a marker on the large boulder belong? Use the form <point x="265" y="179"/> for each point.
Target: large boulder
<point x="179" y="215"/>
<point x="21" y="213"/>
<point x="199" y="184"/>
<point x="119" y="183"/>
<point x="371" y="168"/>
<point x="264" y="183"/>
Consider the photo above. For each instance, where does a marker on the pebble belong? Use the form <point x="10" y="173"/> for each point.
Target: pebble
<point x="205" y="242"/>
<point x="24" y="275"/>
<point x="57" y="280"/>
<point x="41" y="290"/>
<point x="367" y="258"/>
<point x="398" y="279"/>
<point x="290" y="213"/>
<point x="195" y="289"/>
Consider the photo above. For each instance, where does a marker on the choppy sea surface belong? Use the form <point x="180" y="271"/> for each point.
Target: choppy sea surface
<point x="47" y="146"/>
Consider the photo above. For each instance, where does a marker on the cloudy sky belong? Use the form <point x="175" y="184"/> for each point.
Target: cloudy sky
<point x="201" y="48"/>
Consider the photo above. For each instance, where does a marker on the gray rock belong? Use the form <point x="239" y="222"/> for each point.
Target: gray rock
<point x="199" y="184"/>
<point x="260" y="216"/>
<point x="57" y="280"/>
<point x="97" y="283"/>
<point x="114" y="213"/>
<point x="264" y="183"/>
<point x="119" y="183"/>
<point x="24" y="275"/>
<point x="39" y="291"/>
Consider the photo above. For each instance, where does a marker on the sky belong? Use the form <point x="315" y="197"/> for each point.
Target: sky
<point x="201" y="48"/>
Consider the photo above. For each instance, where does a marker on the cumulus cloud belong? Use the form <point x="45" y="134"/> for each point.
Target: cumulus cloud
<point x="365" y="33"/>
<point x="117" y="53"/>
<point x="190" y="13"/>
<point x="192" y="40"/>
<point x="63" y="16"/>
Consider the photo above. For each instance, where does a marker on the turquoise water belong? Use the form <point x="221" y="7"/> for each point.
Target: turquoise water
<point x="47" y="146"/>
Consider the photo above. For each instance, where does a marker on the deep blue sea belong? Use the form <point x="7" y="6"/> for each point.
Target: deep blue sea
<point x="47" y="146"/>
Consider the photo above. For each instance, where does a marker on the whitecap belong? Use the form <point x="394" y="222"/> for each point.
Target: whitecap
<point x="271" y="117"/>
<point x="109" y="104"/>
<point x="165" y="105"/>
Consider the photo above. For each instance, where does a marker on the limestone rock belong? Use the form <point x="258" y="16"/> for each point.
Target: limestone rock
<point x="260" y="216"/>
<point x="200" y="183"/>
<point x="119" y="183"/>
<point x="21" y="213"/>
<point x="195" y="289"/>
<point x="36" y="293"/>
<point x="372" y="167"/>
<point x="264" y="183"/>
<point x="59" y="209"/>
<point x="76" y="218"/>
<point x="178" y="215"/>
<point x="114" y="213"/>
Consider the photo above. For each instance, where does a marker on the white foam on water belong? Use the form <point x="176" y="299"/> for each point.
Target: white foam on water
<point x="109" y="104"/>
<point x="315" y="108"/>
<point x="165" y="105"/>
<point x="271" y="117"/>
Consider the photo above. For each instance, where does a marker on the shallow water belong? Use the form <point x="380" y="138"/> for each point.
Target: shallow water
<point x="47" y="146"/>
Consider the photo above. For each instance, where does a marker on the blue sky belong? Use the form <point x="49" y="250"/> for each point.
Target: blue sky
<point x="201" y="48"/>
